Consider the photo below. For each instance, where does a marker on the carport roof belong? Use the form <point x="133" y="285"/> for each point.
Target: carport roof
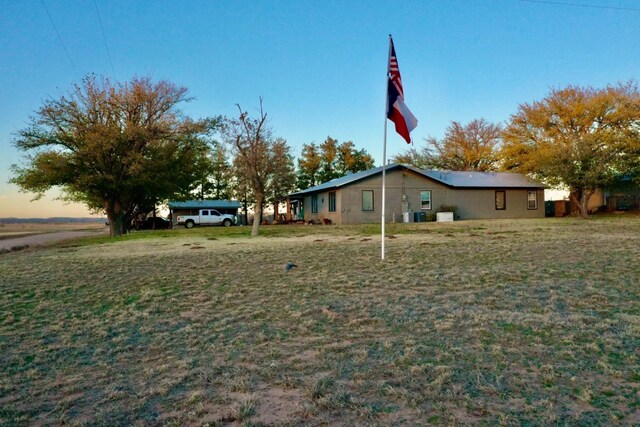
<point x="205" y="204"/>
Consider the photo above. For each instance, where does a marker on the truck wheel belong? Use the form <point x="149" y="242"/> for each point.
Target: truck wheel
<point x="226" y="222"/>
<point x="189" y="224"/>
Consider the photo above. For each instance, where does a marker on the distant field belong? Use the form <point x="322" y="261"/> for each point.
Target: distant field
<point x="532" y="322"/>
<point x="25" y="229"/>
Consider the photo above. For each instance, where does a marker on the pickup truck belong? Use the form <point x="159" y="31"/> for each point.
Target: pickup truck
<point x="206" y="217"/>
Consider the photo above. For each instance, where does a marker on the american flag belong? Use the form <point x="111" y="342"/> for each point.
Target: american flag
<point x="397" y="111"/>
<point x="394" y="71"/>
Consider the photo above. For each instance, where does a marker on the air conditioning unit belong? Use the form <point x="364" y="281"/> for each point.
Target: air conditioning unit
<point x="444" y="216"/>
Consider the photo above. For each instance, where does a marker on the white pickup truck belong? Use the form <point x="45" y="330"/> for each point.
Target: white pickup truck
<point x="206" y="217"/>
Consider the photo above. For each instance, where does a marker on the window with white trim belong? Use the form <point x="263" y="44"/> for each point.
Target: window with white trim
<point x="532" y="200"/>
<point x="501" y="200"/>
<point x="425" y="200"/>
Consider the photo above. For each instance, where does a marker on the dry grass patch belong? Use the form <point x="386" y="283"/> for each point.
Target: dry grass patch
<point x="538" y="326"/>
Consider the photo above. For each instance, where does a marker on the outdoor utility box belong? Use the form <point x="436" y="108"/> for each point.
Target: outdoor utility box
<point x="549" y="208"/>
<point x="406" y="216"/>
<point x="444" y="216"/>
<point x="562" y="208"/>
<point x="419" y="217"/>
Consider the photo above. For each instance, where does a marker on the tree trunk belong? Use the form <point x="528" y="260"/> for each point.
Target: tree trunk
<point x="246" y="211"/>
<point x="117" y="219"/>
<point x="581" y="199"/>
<point x="257" y="215"/>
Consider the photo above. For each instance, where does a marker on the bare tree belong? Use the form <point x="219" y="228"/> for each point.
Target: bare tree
<point x="258" y="157"/>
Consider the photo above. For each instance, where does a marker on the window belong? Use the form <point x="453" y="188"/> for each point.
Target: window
<point x="214" y="212"/>
<point x="532" y="200"/>
<point x="367" y="200"/>
<point x="332" y="201"/>
<point x="501" y="201"/>
<point x="205" y="213"/>
<point x="425" y="200"/>
<point x="314" y="203"/>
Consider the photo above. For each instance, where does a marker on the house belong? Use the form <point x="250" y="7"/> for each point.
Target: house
<point x="356" y="198"/>
<point x="192" y="207"/>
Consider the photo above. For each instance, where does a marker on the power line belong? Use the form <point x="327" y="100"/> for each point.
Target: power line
<point x="104" y="38"/>
<point x="590" y="6"/>
<point x="59" y="37"/>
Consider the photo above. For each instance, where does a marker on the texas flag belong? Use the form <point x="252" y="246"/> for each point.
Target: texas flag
<point x="397" y="110"/>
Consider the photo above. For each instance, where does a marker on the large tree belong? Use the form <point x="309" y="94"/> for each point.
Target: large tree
<point x="352" y="160"/>
<point x="283" y="176"/>
<point x="216" y="173"/>
<point x="116" y="147"/>
<point x="309" y="165"/>
<point x="330" y="160"/>
<point x="470" y="147"/>
<point x="329" y="150"/>
<point x="577" y="137"/>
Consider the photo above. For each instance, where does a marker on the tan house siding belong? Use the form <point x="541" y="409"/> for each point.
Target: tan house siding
<point x="323" y="208"/>
<point x="480" y="203"/>
<point x="596" y="200"/>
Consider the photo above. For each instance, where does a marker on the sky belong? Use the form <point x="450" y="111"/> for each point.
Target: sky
<point x="320" y="66"/>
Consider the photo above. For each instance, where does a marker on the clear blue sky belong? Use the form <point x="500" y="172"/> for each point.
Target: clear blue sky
<point x="319" y="65"/>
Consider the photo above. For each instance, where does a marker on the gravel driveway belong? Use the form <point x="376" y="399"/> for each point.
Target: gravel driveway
<point x="41" y="239"/>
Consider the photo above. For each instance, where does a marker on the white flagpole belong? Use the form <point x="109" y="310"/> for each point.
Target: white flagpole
<point x="384" y="149"/>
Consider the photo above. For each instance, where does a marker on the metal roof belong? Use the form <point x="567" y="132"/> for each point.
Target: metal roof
<point x="457" y="179"/>
<point x="461" y="179"/>
<point x="205" y="204"/>
<point x="342" y="181"/>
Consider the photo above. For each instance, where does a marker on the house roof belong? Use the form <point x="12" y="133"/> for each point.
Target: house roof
<point x="205" y="204"/>
<point x="461" y="179"/>
<point x="457" y="179"/>
<point x="342" y="181"/>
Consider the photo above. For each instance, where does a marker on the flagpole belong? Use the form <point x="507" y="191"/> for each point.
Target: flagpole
<point x="384" y="149"/>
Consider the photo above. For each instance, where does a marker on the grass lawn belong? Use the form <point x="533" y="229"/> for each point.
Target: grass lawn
<point x="475" y="322"/>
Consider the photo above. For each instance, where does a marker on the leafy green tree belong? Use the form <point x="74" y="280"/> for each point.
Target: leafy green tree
<point x="309" y="166"/>
<point x="216" y="173"/>
<point x="283" y="176"/>
<point x="577" y="137"/>
<point x="117" y="148"/>
<point x="329" y="150"/>
<point x="330" y="160"/>
<point x="472" y="147"/>
<point x="351" y="160"/>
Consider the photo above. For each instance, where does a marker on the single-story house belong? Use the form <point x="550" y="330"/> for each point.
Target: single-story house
<point x="356" y="198"/>
<point x="192" y="207"/>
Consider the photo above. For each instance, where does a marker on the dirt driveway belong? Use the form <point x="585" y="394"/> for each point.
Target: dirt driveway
<point x="45" y="238"/>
